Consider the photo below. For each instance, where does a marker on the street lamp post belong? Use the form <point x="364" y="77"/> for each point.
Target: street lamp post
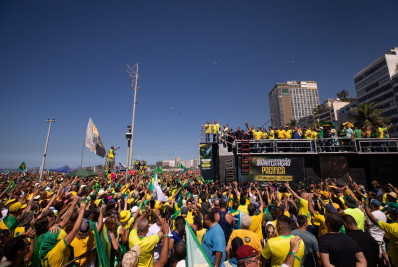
<point x="45" y="148"/>
<point x="128" y="138"/>
<point x="133" y="74"/>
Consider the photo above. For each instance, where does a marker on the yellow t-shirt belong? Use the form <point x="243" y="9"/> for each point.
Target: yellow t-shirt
<point x="81" y="246"/>
<point x="264" y="135"/>
<point x="208" y="128"/>
<point x="322" y="225"/>
<point x="200" y="234"/>
<point x="391" y="230"/>
<point x="147" y="243"/>
<point x="111" y="154"/>
<point x="380" y="133"/>
<point x="286" y="213"/>
<point x="216" y="128"/>
<point x="271" y="134"/>
<point x="248" y="237"/>
<point x="243" y="208"/>
<point x="303" y="210"/>
<point x="308" y="134"/>
<point x="58" y="256"/>
<point x="189" y="217"/>
<point x="314" y="135"/>
<point x="282" y="134"/>
<point x="289" y="134"/>
<point x="277" y="249"/>
<point x="258" y="135"/>
<point x="256" y="225"/>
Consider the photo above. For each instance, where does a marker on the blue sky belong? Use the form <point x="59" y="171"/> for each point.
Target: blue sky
<point x="67" y="60"/>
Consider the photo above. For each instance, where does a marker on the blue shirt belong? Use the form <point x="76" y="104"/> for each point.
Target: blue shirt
<point x="296" y="135"/>
<point x="214" y="241"/>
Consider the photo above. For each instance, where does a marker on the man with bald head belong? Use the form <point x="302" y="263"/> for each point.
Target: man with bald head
<point x="147" y="243"/>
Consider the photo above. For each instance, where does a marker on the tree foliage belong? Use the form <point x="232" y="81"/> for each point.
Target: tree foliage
<point x="367" y="114"/>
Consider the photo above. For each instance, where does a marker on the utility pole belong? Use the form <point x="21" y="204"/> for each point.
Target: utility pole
<point x="133" y="75"/>
<point x="45" y="148"/>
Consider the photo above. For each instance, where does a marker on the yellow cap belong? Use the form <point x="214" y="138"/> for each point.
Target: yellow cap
<point x="9" y="201"/>
<point x="125" y="215"/>
<point x="17" y="206"/>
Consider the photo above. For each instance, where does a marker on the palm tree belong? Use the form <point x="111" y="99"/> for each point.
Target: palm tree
<point x="293" y="123"/>
<point x="343" y="95"/>
<point x="367" y="114"/>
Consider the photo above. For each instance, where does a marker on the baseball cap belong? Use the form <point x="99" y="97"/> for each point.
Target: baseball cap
<point x="375" y="203"/>
<point x="131" y="258"/>
<point x="134" y="209"/>
<point x="331" y="209"/>
<point x="245" y="251"/>
<point x="184" y="211"/>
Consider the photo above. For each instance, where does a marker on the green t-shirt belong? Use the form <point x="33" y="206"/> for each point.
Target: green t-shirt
<point x="358" y="133"/>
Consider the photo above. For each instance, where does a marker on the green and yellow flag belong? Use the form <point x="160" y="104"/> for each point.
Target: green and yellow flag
<point x="22" y="167"/>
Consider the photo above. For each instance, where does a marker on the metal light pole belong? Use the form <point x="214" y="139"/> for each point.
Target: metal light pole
<point x="128" y="138"/>
<point x="133" y="74"/>
<point x="45" y="148"/>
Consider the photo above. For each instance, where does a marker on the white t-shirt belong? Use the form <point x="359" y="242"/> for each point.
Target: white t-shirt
<point x="153" y="230"/>
<point x="181" y="263"/>
<point x="374" y="230"/>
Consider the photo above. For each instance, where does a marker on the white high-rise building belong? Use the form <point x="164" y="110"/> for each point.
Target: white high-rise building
<point x="292" y="100"/>
<point x="374" y="83"/>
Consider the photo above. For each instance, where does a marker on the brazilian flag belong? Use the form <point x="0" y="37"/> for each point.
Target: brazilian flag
<point x="22" y="167"/>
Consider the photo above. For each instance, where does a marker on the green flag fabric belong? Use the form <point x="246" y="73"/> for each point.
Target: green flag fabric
<point x="22" y="167"/>
<point x="196" y="257"/>
<point x="9" y="222"/>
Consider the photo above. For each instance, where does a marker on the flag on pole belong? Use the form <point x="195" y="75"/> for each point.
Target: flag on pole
<point x="196" y="257"/>
<point x="152" y="183"/>
<point x="158" y="193"/>
<point x="22" y="167"/>
<point x="181" y="166"/>
<point x="93" y="140"/>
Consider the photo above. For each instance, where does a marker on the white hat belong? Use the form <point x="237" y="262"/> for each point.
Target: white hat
<point x="37" y="197"/>
<point x="134" y="209"/>
<point x="36" y="184"/>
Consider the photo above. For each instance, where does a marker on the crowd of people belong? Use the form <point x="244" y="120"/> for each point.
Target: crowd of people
<point x="99" y="221"/>
<point x="327" y="137"/>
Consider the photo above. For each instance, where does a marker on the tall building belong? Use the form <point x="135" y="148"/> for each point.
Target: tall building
<point x="374" y="83"/>
<point x="328" y="111"/>
<point x="292" y="100"/>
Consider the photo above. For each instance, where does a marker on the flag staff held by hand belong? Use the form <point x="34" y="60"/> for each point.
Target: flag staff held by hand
<point x="45" y="148"/>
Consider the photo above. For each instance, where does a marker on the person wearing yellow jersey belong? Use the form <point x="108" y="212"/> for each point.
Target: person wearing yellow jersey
<point x="248" y="237"/>
<point x="59" y="254"/>
<point x="303" y="210"/>
<point x="147" y="243"/>
<point x="390" y="229"/>
<point x="307" y="133"/>
<point x="281" y="133"/>
<point x="208" y="128"/>
<point x="216" y="132"/>
<point x="271" y="133"/>
<point x="289" y="133"/>
<point x="256" y="225"/>
<point x="111" y="156"/>
<point x="277" y="248"/>
<point x="243" y="207"/>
